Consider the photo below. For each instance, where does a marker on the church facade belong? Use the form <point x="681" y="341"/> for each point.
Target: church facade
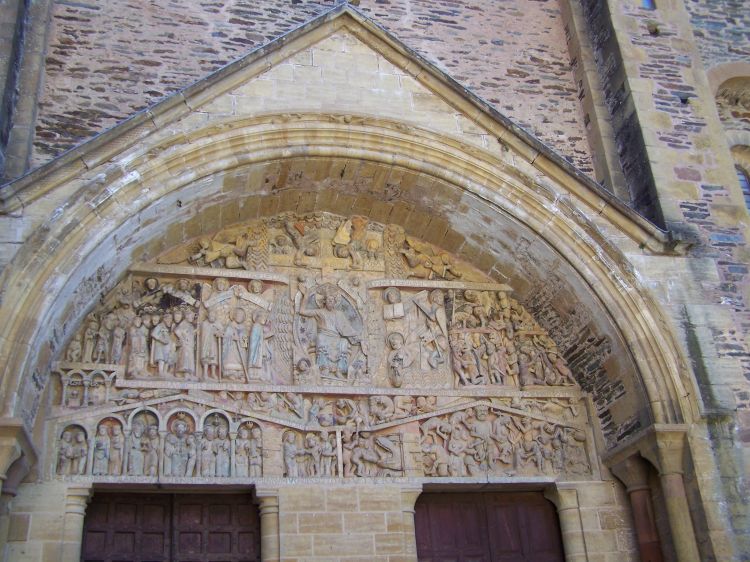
<point x="346" y="299"/>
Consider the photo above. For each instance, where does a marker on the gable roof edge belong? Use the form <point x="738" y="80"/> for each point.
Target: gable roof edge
<point x="19" y="192"/>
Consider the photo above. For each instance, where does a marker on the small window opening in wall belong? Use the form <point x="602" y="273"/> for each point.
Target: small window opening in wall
<point x="648" y="4"/>
<point x="744" y="184"/>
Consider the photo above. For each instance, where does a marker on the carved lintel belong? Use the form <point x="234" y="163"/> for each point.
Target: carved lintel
<point x="439" y="284"/>
<point x="189" y="271"/>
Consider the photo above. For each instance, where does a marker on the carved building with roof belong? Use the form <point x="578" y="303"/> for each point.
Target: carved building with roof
<point x="304" y="281"/>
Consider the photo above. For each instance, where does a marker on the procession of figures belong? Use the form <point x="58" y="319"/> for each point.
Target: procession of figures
<point x="241" y="333"/>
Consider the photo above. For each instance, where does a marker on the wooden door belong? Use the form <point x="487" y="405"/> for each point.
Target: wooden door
<point x="215" y="528"/>
<point x="492" y="527"/>
<point x="171" y="528"/>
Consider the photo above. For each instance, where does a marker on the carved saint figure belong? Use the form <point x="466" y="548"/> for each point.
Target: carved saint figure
<point x="327" y="455"/>
<point x="118" y="339"/>
<point x="211" y="333"/>
<point x="162" y="343"/>
<point x="135" y="450"/>
<point x="101" y="451"/>
<point x="207" y="453"/>
<point x="258" y="352"/>
<point x="150" y="446"/>
<point x="255" y="452"/>
<point x="138" y="338"/>
<point x="290" y="454"/>
<point x="184" y="331"/>
<point x="222" y="450"/>
<point x="80" y="454"/>
<point x="65" y="454"/>
<point x="399" y="359"/>
<point x="89" y="340"/>
<point x="241" y="453"/>
<point x="75" y="348"/>
<point x="234" y="345"/>
<point x="116" y="447"/>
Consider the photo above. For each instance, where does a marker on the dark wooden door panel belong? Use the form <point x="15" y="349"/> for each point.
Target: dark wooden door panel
<point x="171" y="527"/>
<point x="127" y="527"/>
<point x="497" y="527"/>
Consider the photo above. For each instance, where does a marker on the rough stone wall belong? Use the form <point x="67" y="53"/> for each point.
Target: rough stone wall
<point x="106" y="61"/>
<point x="721" y="29"/>
<point x="699" y="196"/>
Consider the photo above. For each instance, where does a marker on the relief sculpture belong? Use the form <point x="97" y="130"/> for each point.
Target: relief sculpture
<point x="354" y="349"/>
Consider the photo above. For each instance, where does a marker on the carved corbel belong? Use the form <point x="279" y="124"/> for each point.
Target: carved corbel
<point x="17" y="453"/>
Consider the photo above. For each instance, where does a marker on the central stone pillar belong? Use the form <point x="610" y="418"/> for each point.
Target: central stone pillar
<point x="270" y="548"/>
<point x="565" y="499"/>
<point x="409" y="498"/>
<point x="76" y="500"/>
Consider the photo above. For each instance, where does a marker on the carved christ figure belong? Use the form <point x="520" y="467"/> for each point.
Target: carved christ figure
<point x="334" y="336"/>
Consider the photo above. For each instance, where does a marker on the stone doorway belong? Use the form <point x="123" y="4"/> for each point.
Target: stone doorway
<point x="487" y="527"/>
<point x="143" y="527"/>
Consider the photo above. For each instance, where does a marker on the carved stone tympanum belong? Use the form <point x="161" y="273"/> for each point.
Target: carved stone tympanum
<point x="313" y="346"/>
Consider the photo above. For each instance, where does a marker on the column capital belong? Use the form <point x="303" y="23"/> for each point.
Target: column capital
<point x="663" y="445"/>
<point x="563" y="496"/>
<point x="409" y="496"/>
<point x="15" y="442"/>
<point x="77" y="498"/>
<point x="632" y="471"/>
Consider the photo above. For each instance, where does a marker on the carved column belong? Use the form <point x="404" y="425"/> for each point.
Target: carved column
<point x="633" y="472"/>
<point x="408" y="500"/>
<point x="665" y="451"/>
<point x="76" y="501"/>
<point x="566" y="501"/>
<point x="270" y="547"/>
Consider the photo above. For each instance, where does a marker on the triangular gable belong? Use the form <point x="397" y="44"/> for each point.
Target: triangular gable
<point x="342" y="64"/>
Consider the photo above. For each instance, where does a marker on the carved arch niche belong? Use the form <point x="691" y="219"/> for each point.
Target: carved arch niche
<point x="314" y="346"/>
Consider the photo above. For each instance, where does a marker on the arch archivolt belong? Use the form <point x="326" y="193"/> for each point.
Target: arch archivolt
<point x="190" y="185"/>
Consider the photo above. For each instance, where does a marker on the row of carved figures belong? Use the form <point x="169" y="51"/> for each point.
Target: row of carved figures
<point x="171" y="343"/>
<point x="469" y="442"/>
<point x="482" y="337"/>
<point x="146" y="451"/>
<point x="482" y="440"/>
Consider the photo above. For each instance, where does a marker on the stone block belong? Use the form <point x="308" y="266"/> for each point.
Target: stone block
<point x="343" y="545"/>
<point x="296" y="545"/>
<point x="341" y="500"/>
<point x="299" y="499"/>
<point x="320" y="523"/>
<point x="614" y="519"/>
<point x="379" y="499"/>
<point x="18" y="527"/>
<point x="389" y="543"/>
<point x="596" y="494"/>
<point x="365" y="522"/>
<point x="394" y="522"/>
<point x="46" y="526"/>
<point x="307" y="74"/>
